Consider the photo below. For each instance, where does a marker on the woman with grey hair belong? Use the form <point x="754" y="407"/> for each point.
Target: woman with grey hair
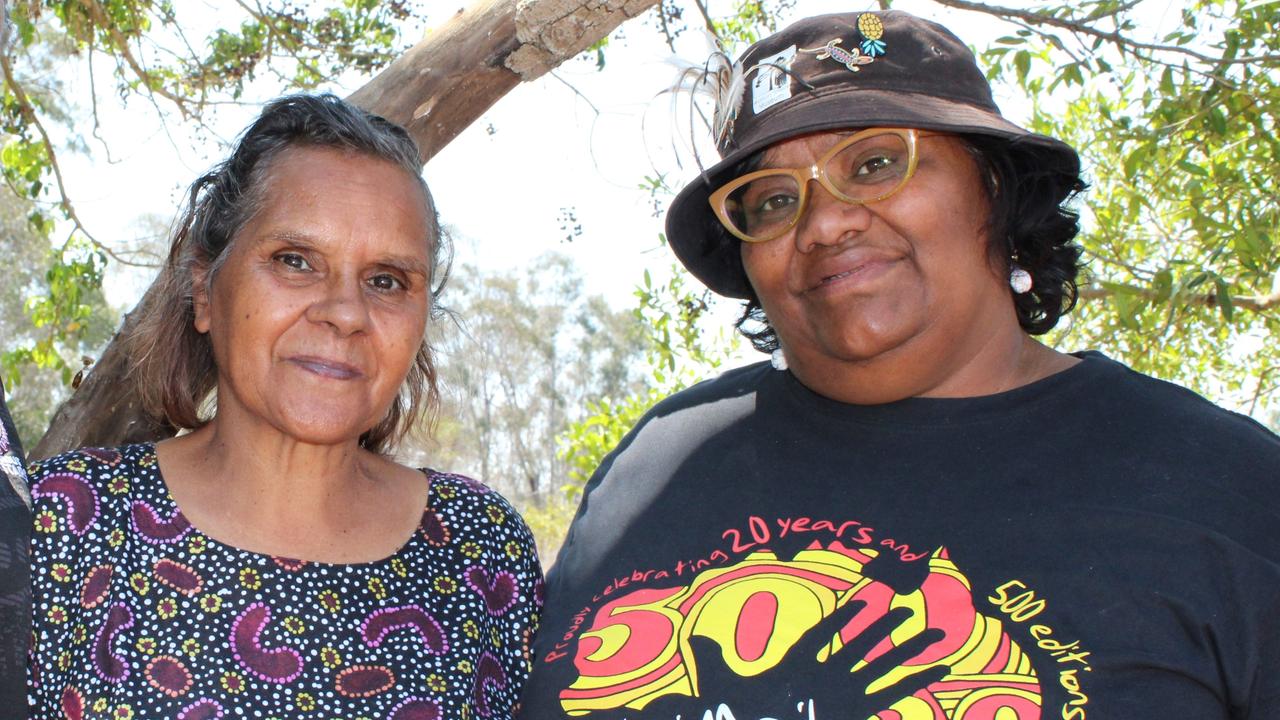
<point x="274" y="560"/>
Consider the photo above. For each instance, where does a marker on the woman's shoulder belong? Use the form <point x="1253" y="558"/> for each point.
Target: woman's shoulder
<point x="90" y="486"/>
<point x="732" y="383"/>
<point x="460" y="493"/>
<point x="714" y="402"/>
<point x="466" y="512"/>
<point x="95" y="460"/>
<point x="1163" y="408"/>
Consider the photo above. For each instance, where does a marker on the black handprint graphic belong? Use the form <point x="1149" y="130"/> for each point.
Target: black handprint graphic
<point x="802" y="685"/>
<point x="753" y="644"/>
<point x="828" y="684"/>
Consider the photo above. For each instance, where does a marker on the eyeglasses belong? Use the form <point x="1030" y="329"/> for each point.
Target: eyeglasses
<point x="865" y="167"/>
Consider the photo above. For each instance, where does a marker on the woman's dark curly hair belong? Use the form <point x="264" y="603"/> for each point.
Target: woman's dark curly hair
<point x="1030" y="225"/>
<point x="173" y="367"/>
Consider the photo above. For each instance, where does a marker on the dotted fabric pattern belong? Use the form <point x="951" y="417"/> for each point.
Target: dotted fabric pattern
<point x="138" y="614"/>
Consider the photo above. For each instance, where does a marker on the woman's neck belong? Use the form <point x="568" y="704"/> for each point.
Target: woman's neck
<point x="268" y="493"/>
<point x="251" y="456"/>
<point x="980" y="366"/>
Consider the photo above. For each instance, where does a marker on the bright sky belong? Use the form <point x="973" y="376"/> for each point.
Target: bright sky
<point x="504" y="186"/>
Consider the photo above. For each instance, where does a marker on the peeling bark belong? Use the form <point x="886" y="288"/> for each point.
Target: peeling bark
<point x="552" y="31"/>
<point x="447" y="81"/>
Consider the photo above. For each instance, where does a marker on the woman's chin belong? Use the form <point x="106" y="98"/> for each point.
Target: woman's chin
<point x="329" y="430"/>
<point x="857" y="343"/>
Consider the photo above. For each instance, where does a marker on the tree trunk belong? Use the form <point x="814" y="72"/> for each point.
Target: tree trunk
<point x="436" y="89"/>
<point x="102" y="412"/>
<point x="447" y="81"/>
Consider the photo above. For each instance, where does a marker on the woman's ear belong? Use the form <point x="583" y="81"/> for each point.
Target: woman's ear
<point x="200" y="299"/>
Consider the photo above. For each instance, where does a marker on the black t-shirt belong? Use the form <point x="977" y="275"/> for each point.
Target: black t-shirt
<point x="1097" y="544"/>
<point x="15" y="571"/>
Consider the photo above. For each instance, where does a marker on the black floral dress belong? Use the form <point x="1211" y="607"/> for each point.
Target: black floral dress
<point x="137" y="614"/>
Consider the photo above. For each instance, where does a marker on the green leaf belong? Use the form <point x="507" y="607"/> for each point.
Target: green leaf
<point x="1223" y="296"/>
<point x="1022" y="62"/>
<point x="1193" y="168"/>
<point x="1134" y="161"/>
<point x="1162" y="284"/>
<point x="1127" y="307"/>
<point x="1218" y="120"/>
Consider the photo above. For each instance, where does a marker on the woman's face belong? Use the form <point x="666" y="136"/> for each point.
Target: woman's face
<point x="321" y="305"/>
<point x="907" y="278"/>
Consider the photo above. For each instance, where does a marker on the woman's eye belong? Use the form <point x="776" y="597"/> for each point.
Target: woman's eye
<point x="768" y="197"/>
<point x="386" y="283"/>
<point x="293" y="260"/>
<point x="776" y="202"/>
<point x="875" y="165"/>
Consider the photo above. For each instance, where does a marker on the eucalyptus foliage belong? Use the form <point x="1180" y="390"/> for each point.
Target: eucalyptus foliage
<point x="1177" y="128"/>
<point x="153" y="62"/>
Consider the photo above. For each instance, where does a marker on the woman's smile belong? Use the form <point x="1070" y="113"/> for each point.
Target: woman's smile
<point x="331" y="369"/>
<point x="852" y="270"/>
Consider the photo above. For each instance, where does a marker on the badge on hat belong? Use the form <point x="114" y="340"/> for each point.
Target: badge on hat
<point x="871" y="29"/>
<point x="772" y="82"/>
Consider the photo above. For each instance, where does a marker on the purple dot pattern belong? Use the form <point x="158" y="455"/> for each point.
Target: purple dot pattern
<point x="138" y="614"/>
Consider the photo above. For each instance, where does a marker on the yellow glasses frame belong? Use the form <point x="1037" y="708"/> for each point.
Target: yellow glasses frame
<point x="816" y="171"/>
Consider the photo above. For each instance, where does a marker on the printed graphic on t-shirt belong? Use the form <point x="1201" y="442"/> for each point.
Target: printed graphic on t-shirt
<point x="850" y="614"/>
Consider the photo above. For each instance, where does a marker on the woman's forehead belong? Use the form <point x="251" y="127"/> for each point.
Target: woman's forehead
<point x="309" y="192"/>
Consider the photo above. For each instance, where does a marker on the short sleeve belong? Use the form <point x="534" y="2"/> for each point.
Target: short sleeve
<point x="64" y="508"/>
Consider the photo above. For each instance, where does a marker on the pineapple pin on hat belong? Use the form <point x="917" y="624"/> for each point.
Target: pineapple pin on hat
<point x="834" y="72"/>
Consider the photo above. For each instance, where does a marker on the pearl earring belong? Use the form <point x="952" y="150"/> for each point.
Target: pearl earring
<point x="778" y="360"/>
<point x="1020" y="280"/>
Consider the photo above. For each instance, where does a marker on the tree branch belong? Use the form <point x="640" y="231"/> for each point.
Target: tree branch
<point x="576" y="92"/>
<point x="1256" y="303"/>
<point x="29" y="114"/>
<point x="665" y="27"/>
<point x="99" y="17"/>
<point x="291" y="43"/>
<point x="706" y="18"/>
<point x="450" y="78"/>
<point x="1260" y="390"/>
<point x="1035" y="18"/>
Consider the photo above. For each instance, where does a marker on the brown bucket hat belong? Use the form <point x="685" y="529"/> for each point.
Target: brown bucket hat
<point x="842" y="71"/>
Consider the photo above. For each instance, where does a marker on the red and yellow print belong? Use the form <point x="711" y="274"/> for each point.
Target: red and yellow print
<point x="636" y="649"/>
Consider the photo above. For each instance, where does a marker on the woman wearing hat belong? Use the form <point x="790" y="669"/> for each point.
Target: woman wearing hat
<point x="916" y="510"/>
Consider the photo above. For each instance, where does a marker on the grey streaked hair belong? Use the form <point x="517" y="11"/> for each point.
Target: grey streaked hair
<point x="173" y="364"/>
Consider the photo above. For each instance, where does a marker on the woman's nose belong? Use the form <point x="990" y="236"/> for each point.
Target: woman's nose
<point x="828" y="220"/>
<point x="342" y="305"/>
